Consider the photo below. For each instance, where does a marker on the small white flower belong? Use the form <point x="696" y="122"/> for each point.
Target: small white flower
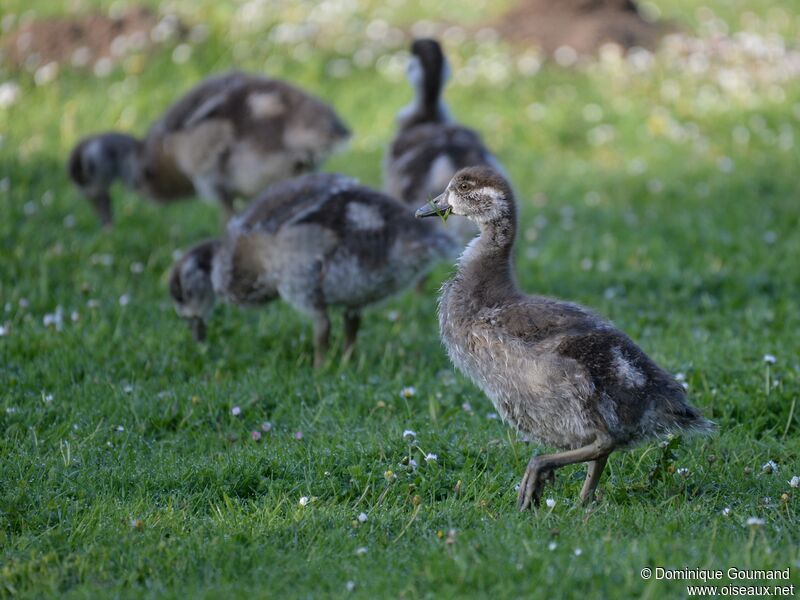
<point x="552" y="546"/>
<point x="304" y="500"/>
<point x="124" y="300"/>
<point x="362" y="517"/>
<point x="550" y="502"/>
<point x="75" y="316"/>
<point x="92" y="303"/>
<point x="683" y="472"/>
<point x="48" y="398"/>
<point x="120" y="428"/>
<point x="350" y="586"/>
<point x="430" y="457"/>
<point x="578" y="552"/>
<point x="181" y="54"/>
<point x="409" y="435"/>
<point x="769" y="467"/>
<point x="770" y="359"/>
<point x="266" y="426"/>
<point x="492" y="416"/>
<point x="755" y="522"/>
<point x="794" y="481"/>
<point x="680" y="376"/>
<point x="361" y="551"/>
<point x="236" y="411"/>
<point x="3" y="331"/>
<point x="726" y="512"/>
<point x="393" y="315"/>
<point x="128" y="389"/>
<point x="137" y="267"/>
<point x="466" y="407"/>
<point x="408" y="392"/>
<point x="9" y="93"/>
<point x="413" y="464"/>
<point x="11" y="410"/>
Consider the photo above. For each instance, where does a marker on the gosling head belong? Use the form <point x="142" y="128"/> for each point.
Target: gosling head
<point x="96" y="162"/>
<point x="478" y="193"/>
<point x="191" y="288"/>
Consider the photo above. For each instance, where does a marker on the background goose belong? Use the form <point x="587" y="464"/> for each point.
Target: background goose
<point x="429" y="148"/>
<point x="230" y="136"/>
<point x="556" y="371"/>
<point x="318" y="241"/>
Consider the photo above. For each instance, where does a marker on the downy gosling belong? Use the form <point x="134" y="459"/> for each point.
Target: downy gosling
<point x="230" y="136"/>
<point x="318" y="241"/>
<point x="556" y="371"/>
<point x="429" y="147"/>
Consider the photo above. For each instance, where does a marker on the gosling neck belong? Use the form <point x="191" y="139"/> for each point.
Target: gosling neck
<point x="487" y="261"/>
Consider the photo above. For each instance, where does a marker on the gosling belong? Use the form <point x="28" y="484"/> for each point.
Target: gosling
<point x="230" y="136"/>
<point x="318" y="241"/>
<point x="556" y="371"/>
<point x="429" y="148"/>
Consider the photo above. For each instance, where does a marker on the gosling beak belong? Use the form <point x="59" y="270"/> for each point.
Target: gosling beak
<point x="436" y="207"/>
<point x="199" y="329"/>
<point x="101" y="202"/>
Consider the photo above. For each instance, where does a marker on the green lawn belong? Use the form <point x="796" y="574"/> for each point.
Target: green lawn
<point x="666" y="198"/>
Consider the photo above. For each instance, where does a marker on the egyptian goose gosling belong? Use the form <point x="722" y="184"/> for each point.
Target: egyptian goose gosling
<point x="230" y="136"/>
<point x="556" y="371"/>
<point x="429" y="147"/>
<point x="318" y="241"/>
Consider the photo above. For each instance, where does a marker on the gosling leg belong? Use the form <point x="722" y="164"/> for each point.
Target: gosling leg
<point x="542" y="468"/>
<point x="352" y="321"/>
<point x="322" y="333"/>
<point x="593" y="472"/>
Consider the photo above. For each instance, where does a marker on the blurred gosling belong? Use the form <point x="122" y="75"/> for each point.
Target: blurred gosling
<point x="317" y="242"/>
<point x="230" y="136"/>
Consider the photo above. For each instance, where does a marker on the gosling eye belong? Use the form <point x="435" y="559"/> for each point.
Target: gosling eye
<point x="463" y="186"/>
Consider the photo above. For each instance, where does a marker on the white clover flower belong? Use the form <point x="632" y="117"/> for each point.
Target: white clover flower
<point x="128" y="389"/>
<point x="769" y="467"/>
<point x="361" y="550"/>
<point x="413" y="464"/>
<point x="794" y="481"/>
<point x="181" y="54"/>
<point x="680" y="376"/>
<point x="362" y="517"/>
<point x="552" y="546"/>
<point x="124" y="300"/>
<point x="9" y="93"/>
<point x="770" y="359"/>
<point x="409" y="434"/>
<point x="48" y="398"/>
<point x="755" y="522"/>
<point x="550" y="502"/>
<point x="431" y="457"/>
<point x="304" y="500"/>
<point x="236" y="411"/>
<point x="578" y="552"/>
<point x="75" y="316"/>
<point x="266" y="426"/>
<point x="408" y="392"/>
<point x="726" y="512"/>
<point x="350" y="586"/>
<point x="3" y="331"/>
<point x="683" y="472"/>
<point x="120" y="428"/>
<point x="492" y="416"/>
<point x="466" y="407"/>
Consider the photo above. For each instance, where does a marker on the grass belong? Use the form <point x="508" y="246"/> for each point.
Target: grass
<point x="123" y="472"/>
